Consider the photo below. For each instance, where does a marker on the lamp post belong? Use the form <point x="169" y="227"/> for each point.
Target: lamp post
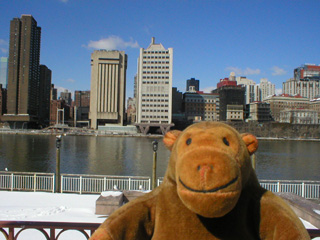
<point x="154" y="172"/>
<point x="58" y="145"/>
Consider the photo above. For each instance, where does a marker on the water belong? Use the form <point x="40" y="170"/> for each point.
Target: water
<point x="131" y="156"/>
<point x="288" y="160"/>
<point x="128" y="156"/>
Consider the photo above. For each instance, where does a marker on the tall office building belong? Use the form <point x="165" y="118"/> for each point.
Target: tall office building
<point x="108" y="88"/>
<point x="306" y="82"/>
<point x="252" y="91"/>
<point x="82" y="98"/>
<point x="53" y="93"/>
<point x="44" y="95"/>
<point x="3" y="100"/>
<point x="23" y="70"/>
<point x="267" y="88"/>
<point x="4" y="71"/>
<point x="81" y="106"/>
<point x="154" y="87"/>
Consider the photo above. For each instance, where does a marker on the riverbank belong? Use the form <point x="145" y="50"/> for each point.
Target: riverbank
<point x="90" y="132"/>
<point x="288" y="139"/>
<point x="76" y="132"/>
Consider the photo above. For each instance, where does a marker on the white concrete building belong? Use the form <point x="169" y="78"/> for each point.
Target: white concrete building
<point x="108" y="88"/>
<point x="299" y="116"/>
<point x="235" y="113"/>
<point x="154" y="85"/>
<point x="252" y="93"/>
<point x="308" y="88"/>
<point x="306" y="82"/>
<point x="266" y="88"/>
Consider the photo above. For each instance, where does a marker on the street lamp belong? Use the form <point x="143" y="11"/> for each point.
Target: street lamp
<point x="58" y="145"/>
<point x="58" y="141"/>
<point x="154" y="173"/>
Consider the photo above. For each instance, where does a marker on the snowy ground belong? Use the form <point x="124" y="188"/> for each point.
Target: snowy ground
<point x="53" y="207"/>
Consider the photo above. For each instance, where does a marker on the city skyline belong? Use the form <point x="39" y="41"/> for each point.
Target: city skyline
<point x="255" y="39"/>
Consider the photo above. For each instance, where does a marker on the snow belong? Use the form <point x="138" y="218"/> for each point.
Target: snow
<point x="52" y="207"/>
<point x="48" y="207"/>
<point x="111" y="194"/>
<point x="308" y="225"/>
<point x="316" y="211"/>
<point x="57" y="207"/>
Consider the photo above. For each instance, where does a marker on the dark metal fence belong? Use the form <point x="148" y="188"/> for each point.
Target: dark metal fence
<point x="53" y="230"/>
<point x="50" y="230"/>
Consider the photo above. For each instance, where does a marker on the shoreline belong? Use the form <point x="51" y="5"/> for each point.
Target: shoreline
<point x="288" y="139"/>
<point x="81" y="132"/>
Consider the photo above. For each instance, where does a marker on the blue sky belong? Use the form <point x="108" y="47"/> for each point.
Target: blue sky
<point x="257" y="39"/>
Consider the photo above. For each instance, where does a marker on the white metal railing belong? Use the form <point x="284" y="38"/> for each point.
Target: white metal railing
<point x="303" y="188"/>
<point x="306" y="189"/>
<point x="98" y="183"/>
<point x="27" y="181"/>
<point x="76" y="183"/>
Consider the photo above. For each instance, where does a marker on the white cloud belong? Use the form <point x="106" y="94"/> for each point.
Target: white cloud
<point x="70" y="80"/>
<point x="113" y="43"/>
<point x="4" y="50"/>
<point x="208" y="89"/>
<point x="276" y="71"/>
<point x="244" y="72"/>
<point x="4" y="46"/>
<point x="3" y="42"/>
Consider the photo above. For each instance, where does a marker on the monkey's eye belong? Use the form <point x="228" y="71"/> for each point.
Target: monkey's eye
<point x="188" y="142"/>
<point x="225" y="141"/>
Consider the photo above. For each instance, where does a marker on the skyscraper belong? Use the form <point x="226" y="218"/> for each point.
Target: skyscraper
<point x="82" y="98"/>
<point x="23" y="70"/>
<point x="53" y="93"/>
<point x="267" y="88"/>
<point x="154" y="87"/>
<point x="252" y="91"/>
<point x="108" y="88"/>
<point x="82" y="103"/>
<point x="44" y="95"/>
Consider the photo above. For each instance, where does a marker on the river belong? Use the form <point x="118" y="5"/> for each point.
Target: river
<point x="133" y="156"/>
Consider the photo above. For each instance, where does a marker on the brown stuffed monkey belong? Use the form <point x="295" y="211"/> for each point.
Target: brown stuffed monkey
<point x="210" y="191"/>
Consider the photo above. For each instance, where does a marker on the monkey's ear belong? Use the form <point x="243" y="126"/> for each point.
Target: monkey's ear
<point x="251" y="142"/>
<point x="170" y="138"/>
